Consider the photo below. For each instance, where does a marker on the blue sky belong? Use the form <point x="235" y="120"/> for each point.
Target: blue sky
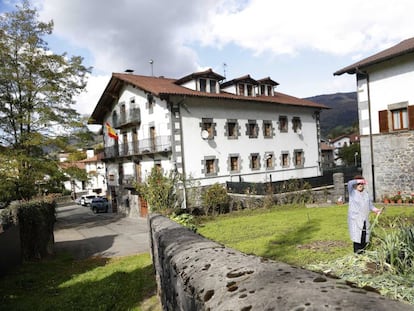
<point x="298" y="43"/>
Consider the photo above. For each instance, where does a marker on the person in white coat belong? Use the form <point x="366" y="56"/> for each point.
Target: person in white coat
<point x="359" y="208"/>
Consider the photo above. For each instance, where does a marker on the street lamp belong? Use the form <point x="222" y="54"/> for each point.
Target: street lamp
<point x="356" y="159"/>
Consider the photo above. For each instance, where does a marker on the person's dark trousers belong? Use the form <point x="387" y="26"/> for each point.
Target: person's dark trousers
<point x="359" y="247"/>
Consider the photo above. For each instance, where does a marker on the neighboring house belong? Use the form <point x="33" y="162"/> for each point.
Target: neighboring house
<point x="386" y="118"/>
<point x="210" y="132"/>
<point x="95" y="169"/>
<point x="327" y="153"/>
<point x="342" y="141"/>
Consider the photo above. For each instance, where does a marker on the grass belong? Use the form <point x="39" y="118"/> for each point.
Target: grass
<point x="61" y="283"/>
<point x="314" y="238"/>
<point x="294" y="234"/>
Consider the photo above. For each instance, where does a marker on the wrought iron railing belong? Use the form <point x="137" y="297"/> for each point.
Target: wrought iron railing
<point x="143" y="146"/>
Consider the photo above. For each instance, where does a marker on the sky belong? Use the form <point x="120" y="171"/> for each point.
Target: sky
<point x="297" y="43"/>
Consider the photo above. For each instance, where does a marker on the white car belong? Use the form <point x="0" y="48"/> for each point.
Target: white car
<point x="86" y="200"/>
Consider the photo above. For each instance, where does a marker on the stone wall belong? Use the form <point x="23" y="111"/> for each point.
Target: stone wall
<point x="194" y="273"/>
<point x="393" y="163"/>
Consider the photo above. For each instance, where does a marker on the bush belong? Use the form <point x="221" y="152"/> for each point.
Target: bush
<point x="215" y="199"/>
<point x="36" y="221"/>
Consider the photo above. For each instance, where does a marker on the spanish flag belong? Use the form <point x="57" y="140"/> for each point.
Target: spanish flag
<point x="111" y="131"/>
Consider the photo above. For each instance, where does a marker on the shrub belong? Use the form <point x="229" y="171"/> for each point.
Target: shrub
<point x="214" y="199"/>
<point x="159" y="190"/>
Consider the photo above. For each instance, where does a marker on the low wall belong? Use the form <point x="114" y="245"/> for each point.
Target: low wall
<point x="194" y="273"/>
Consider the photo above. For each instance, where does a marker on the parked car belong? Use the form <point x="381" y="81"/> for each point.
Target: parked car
<point x="99" y="204"/>
<point x="86" y="200"/>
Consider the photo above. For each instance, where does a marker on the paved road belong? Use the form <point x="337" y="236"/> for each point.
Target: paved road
<point x="81" y="232"/>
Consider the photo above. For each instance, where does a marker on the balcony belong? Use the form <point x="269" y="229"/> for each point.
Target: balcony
<point x="144" y="146"/>
<point x="133" y="117"/>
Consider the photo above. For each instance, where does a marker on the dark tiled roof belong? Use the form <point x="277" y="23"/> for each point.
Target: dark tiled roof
<point x="243" y="79"/>
<point x="268" y="81"/>
<point x="402" y="48"/>
<point x="163" y="87"/>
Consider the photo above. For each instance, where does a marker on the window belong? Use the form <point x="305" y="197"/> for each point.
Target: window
<point x="397" y="117"/>
<point x="269" y="160"/>
<point x="296" y="125"/>
<point x="203" y="85"/>
<point x="249" y="90"/>
<point x="123" y="112"/>
<point x="298" y="158"/>
<point x="285" y="159"/>
<point x="263" y="89"/>
<point x="241" y="89"/>
<point x="125" y="143"/>
<point x="283" y="124"/>
<point x="208" y="125"/>
<point x="231" y="129"/>
<point x="151" y="101"/>
<point x="210" y="166"/>
<point x="267" y="129"/>
<point x="252" y="129"/>
<point x="213" y="86"/>
<point x="269" y="90"/>
<point x="234" y="161"/>
<point x="254" y="161"/>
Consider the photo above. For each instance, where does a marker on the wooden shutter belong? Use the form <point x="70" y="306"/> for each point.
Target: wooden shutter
<point x="383" y="121"/>
<point x="410" y="110"/>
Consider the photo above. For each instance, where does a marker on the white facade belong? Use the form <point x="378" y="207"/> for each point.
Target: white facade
<point x="386" y="118"/>
<point x="162" y="123"/>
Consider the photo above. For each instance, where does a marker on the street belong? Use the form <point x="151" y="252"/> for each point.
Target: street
<point x="84" y="234"/>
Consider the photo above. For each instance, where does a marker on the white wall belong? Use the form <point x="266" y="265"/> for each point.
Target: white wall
<point x="389" y="84"/>
<point x="195" y="148"/>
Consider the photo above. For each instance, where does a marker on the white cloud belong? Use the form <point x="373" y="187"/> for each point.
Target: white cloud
<point x="128" y="33"/>
<point x="86" y="101"/>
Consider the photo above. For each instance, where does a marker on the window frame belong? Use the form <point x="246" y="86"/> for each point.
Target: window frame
<point x="206" y="163"/>
<point x="284" y="156"/>
<point x="208" y="125"/>
<point x="269" y="156"/>
<point x="283" y="124"/>
<point x="252" y="129"/>
<point x="235" y="131"/>
<point x="234" y="159"/>
<point x="297" y="152"/>
<point x="266" y="124"/>
<point x="296" y="124"/>
<point x="254" y="158"/>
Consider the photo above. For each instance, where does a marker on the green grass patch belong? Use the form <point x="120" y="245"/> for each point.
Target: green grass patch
<point x="297" y="235"/>
<point x="315" y="238"/>
<point x="61" y="283"/>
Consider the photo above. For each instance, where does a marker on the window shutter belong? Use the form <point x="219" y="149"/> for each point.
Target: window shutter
<point x="410" y="110"/>
<point x="383" y="121"/>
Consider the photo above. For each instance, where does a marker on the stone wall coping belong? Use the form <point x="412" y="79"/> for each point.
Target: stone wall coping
<point x="194" y="273"/>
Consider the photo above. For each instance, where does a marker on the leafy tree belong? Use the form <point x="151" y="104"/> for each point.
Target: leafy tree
<point x="37" y="88"/>
<point x="347" y="154"/>
<point x="159" y="190"/>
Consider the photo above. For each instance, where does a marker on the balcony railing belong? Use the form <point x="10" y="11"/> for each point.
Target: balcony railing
<point x="133" y="117"/>
<point x="143" y="146"/>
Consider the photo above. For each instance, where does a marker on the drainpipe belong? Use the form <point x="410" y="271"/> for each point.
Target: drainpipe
<point x="370" y="134"/>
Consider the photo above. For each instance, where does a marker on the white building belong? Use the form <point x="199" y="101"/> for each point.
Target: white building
<point x="210" y="131"/>
<point x="340" y="142"/>
<point x="386" y="118"/>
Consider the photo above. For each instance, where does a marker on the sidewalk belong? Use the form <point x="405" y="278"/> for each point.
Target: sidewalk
<point x="84" y="234"/>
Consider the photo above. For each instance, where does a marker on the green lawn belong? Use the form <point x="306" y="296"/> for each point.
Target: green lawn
<point x="60" y="283"/>
<point x="296" y="235"/>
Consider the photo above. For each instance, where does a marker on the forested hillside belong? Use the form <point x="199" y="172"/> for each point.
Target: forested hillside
<point x="343" y="115"/>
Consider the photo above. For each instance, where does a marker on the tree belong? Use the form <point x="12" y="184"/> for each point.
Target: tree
<point x="350" y="155"/>
<point x="159" y="190"/>
<point x="37" y="88"/>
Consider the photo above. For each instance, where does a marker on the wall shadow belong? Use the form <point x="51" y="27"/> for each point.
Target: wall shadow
<point x="82" y="249"/>
<point x="277" y="248"/>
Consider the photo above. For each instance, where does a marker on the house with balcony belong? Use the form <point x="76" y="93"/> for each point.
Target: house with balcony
<point x="386" y="118"/>
<point x="205" y="128"/>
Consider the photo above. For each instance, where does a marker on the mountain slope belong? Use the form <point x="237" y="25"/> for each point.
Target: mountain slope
<point x="343" y="112"/>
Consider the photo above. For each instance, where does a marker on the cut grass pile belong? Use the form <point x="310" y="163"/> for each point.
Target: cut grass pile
<point x="315" y="238"/>
<point x="60" y="283"/>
